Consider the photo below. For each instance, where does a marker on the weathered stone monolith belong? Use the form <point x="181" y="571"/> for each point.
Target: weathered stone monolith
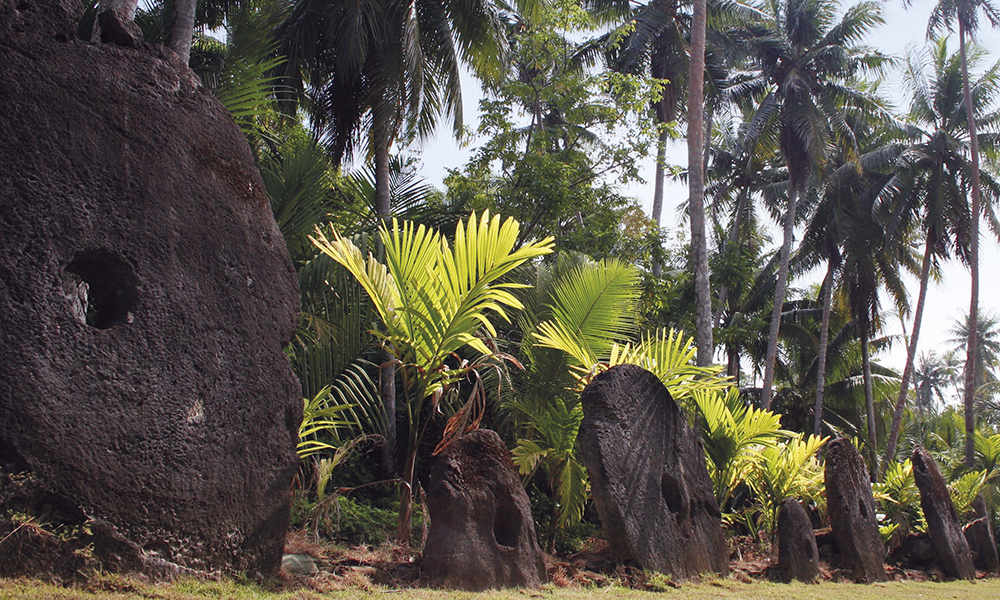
<point x="798" y="558"/>
<point x="648" y="476"/>
<point x="952" y="548"/>
<point x="981" y="538"/>
<point x="482" y="534"/>
<point x="148" y="415"/>
<point x="983" y="545"/>
<point x="851" y="508"/>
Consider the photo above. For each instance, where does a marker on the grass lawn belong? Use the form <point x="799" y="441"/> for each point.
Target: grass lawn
<point x="108" y="588"/>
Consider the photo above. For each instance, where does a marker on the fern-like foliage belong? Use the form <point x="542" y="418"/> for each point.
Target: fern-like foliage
<point x="593" y="308"/>
<point x="552" y="448"/>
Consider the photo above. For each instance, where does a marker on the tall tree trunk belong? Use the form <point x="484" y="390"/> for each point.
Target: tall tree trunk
<point x="973" y="341"/>
<point x="696" y="181"/>
<point x="731" y="239"/>
<point x="779" y="298"/>
<point x="387" y="372"/>
<point x="866" y="374"/>
<point x="824" y="342"/>
<point x="911" y="353"/>
<point x="180" y="29"/>
<point x="657" y="212"/>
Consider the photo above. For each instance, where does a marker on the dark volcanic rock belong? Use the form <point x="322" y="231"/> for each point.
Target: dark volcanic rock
<point x="915" y="551"/>
<point x="797" y="554"/>
<point x="942" y="522"/>
<point x="852" y="512"/>
<point x="117" y="30"/>
<point x="648" y="476"/>
<point x="482" y="534"/>
<point x="983" y="545"/>
<point x="981" y="538"/>
<point x="146" y="294"/>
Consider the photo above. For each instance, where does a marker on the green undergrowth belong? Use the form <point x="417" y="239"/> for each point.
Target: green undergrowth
<point x="114" y="588"/>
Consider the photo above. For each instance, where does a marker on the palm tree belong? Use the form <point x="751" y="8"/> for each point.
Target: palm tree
<point x="656" y="44"/>
<point x="670" y="44"/>
<point x="388" y="66"/>
<point x="934" y="173"/>
<point x="180" y="28"/>
<point x="932" y="375"/>
<point x="596" y="302"/>
<point x="845" y="215"/>
<point x="696" y="184"/>
<point x="988" y="349"/>
<point x="803" y="57"/>
<point x="433" y="298"/>
<point x="872" y="259"/>
<point x="966" y="13"/>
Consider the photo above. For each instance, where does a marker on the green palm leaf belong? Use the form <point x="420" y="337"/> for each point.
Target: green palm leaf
<point x="592" y="309"/>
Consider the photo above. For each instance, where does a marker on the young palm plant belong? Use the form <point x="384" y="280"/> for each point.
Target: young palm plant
<point x="433" y="298"/>
<point x="786" y="470"/>
<point x="733" y="434"/>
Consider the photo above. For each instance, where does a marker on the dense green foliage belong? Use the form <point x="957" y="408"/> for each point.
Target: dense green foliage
<point x="491" y="302"/>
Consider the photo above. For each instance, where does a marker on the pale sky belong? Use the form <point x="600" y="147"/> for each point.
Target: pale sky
<point x="945" y="300"/>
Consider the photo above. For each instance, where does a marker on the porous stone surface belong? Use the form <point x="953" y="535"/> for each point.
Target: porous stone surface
<point x="798" y="558"/>
<point x="648" y="476"/>
<point x="915" y="551"/>
<point x="851" y="508"/>
<point x="942" y="521"/>
<point x="482" y="534"/>
<point x="149" y="415"/>
<point x="983" y="545"/>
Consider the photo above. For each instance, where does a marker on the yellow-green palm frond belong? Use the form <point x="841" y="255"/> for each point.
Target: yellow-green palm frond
<point x="373" y="276"/>
<point x="788" y="470"/>
<point x="732" y="434"/>
<point x="669" y="355"/>
<point x="323" y="421"/>
<point x="965" y="489"/>
<point x="987" y="450"/>
<point x="573" y="489"/>
<point x="552" y="448"/>
<point x="899" y="498"/>
<point x="434" y="297"/>
<point x="593" y="309"/>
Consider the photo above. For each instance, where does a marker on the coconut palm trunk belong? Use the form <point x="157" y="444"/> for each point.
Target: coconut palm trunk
<point x="970" y="359"/>
<point x="824" y="343"/>
<point x="387" y="372"/>
<point x="735" y="231"/>
<point x="657" y="210"/>
<point x="866" y="374"/>
<point x="696" y="181"/>
<point x="779" y="296"/>
<point x="911" y="353"/>
<point x="180" y="31"/>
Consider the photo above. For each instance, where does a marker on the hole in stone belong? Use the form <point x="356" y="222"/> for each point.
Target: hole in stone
<point x="23" y="6"/>
<point x="101" y="289"/>
<point x="862" y="509"/>
<point x="506" y="525"/>
<point x="671" y="491"/>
